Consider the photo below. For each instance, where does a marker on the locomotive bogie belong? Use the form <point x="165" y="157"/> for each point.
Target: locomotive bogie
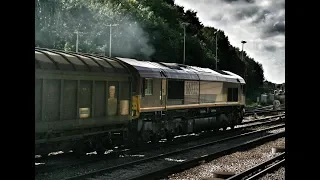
<point x="189" y="120"/>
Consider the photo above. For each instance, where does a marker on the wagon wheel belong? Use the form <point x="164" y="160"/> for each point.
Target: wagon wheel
<point x="81" y="148"/>
<point x="44" y="156"/>
<point x="169" y="136"/>
<point x="100" y="151"/>
<point x="145" y="136"/>
<point x="223" y="120"/>
<point x="240" y="117"/>
<point x="231" y="118"/>
<point x="154" y="138"/>
<point x="79" y="151"/>
<point x="180" y="129"/>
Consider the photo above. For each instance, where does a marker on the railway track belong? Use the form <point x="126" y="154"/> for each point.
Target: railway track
<point x="221" y="134"/>
<point x="250" y="113"/>
<point x="261" y="169"/>
<point x="262" y="107"/>
<point x="258" y="108"/>
<point x="180" y="159"/>
<point x="260" y="120"/>
<point x="54" y="155"/>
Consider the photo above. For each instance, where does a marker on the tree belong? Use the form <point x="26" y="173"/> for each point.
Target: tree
<point x="147" y="30"/>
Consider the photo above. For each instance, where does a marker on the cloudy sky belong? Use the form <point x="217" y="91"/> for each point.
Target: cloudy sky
<point x="259" y="22"/>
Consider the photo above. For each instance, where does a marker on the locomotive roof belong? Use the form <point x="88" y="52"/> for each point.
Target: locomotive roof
<point x="149" y="69"/>
<point x="49" y="59"/>
<point x="70" y="61"/>
<point x="159" y="70"/>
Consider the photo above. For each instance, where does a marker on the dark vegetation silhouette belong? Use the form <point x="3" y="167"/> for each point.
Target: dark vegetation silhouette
<point x="147" y="30"/>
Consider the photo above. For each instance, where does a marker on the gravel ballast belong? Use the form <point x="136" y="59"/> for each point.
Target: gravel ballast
<point x="235" y="162"/>
<point x="98" y="165"/>
<point x="276" y="175"/>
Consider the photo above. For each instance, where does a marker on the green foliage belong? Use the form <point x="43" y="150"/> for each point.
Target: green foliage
<point x="146" y="30"/>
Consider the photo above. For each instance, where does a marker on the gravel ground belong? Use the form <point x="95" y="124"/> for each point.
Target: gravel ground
<point x="253" y="122"/>
<point x="277" y="130"/>
<point x="77" y="170"/>
<point x="171" y="160"/>
<point x="235" y="162"/>
<point x="277" y="175"/>
<point x="68" y="172"/>
<point x="250" y="118"/>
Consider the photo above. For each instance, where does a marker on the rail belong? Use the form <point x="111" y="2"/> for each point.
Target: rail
<point x="261" y="169"/>
<point x="179" y="166"/>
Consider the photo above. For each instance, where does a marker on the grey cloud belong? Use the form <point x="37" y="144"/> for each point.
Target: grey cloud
<point x="275" y="29"/>
<point x="279" y="27"/>
<point x="247" y="12"/>
<point x="261" y="17"/>
<point x="270" y="48"/>
<point x="217" y="17"/>
<point x="261" y="22"/>
<point x="247" y="1"/>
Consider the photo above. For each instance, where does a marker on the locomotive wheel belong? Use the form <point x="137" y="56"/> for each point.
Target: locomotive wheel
<point x="145" y="136"/>
<point x="44" y="155"/>
<point x="224" y="125"/>
<point x="214" y="130"/>
<point x="169" y="136"/>
<point x="154" y="138"/>
<point x="100" y="152"/>
<point x="79" y="152"/>
<point x="223" y="119"/>
<point x="180" y="130"/>
<point x="81" y="148"/>
<point x="100" y="149"/>
<point x="240" y="117"/>
<point x="232" y="119"/>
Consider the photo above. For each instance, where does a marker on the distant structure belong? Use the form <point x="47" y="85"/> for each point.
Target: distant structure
<point x="283" y="87"/>
<point x="272" y="92"/>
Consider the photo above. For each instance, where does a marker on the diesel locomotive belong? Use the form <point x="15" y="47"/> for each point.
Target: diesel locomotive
<point x="86" y="102"/>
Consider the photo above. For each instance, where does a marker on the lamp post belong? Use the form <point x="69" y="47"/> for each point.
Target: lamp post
<point x="184" y="41"/>
<point x="243" y="42"/>
<point x="217" y="50"/>
<point x="110" y="25"/>
<point x="244" y="76"/>
<point x="77" y="41"/>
